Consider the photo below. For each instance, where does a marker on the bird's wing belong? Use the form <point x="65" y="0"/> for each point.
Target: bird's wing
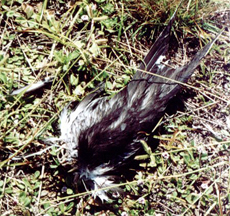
<point x="135" y="108"/>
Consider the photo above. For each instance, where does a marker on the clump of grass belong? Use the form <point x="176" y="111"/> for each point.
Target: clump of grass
<point x="82" y="44"/>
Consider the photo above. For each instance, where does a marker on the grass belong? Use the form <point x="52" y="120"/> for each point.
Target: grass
<point x="82" y="44"/>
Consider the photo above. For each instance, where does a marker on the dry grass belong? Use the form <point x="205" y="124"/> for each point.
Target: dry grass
<point x="83" y="44"/>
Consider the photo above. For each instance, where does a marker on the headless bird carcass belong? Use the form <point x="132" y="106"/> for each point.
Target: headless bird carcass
<point x="101" y="135"/>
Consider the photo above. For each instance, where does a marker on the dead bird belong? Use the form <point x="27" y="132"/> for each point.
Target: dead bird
<point x="100" y="135"/>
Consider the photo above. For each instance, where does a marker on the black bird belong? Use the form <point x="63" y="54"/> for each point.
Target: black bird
<point x="101" y="135"/>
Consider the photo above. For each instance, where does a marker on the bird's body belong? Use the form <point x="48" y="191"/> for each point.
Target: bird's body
<point x="101" y="135"/>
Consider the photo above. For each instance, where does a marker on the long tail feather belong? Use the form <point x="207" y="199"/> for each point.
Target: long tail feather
<point x="33" y="87"/>
<point x="190" y="67"/>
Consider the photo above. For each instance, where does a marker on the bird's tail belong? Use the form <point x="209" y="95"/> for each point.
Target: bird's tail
<point x="191" y="66"/>
<point x="155" y="84"/>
